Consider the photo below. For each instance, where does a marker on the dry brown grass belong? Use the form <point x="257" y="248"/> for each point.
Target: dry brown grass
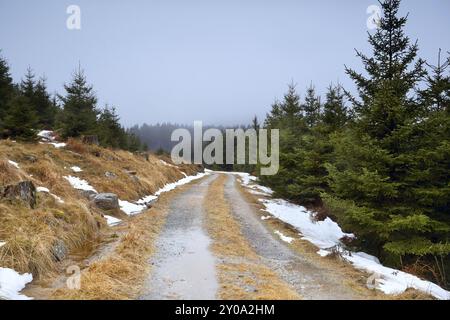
<point x="30" y="233"/>
<point x="8" y="173"/>
<point x="76" y="146"/>
<point x="150" y="175"/>
<point x="121" y="274"/>
<point x="241" y="273"/>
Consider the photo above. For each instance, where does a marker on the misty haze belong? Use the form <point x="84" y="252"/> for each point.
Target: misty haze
<point x="224" y="155"/>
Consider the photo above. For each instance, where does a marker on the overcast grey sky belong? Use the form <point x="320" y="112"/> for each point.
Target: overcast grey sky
<point x="185" y="60"/>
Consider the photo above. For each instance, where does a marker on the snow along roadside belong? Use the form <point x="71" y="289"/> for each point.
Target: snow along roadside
<point x="133" y="208"/>
<point x="326" y="236"/>
<point x="11" y="283"/>
<point x="140" y="205"/>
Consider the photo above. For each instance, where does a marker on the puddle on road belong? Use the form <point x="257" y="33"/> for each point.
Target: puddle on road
<point x="183" y="267"/>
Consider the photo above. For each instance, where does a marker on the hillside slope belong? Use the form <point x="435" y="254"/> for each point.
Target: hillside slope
<point x="40" y="228"/>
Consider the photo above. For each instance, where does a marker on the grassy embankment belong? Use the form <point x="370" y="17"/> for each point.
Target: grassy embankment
<point x="30" y="234"/>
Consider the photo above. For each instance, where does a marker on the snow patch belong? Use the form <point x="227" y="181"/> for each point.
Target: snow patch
<point x="147" y="199"/>
<point x="246" y="178"/>
<point x="14" y="164"/>
<point x="324" y="234"/>
<point x="283" y="237"/>
<point x="392" y="281"/>
<point x="135" y="208"/>
<point x="248" y="181"/>
<point x="58" y="144"/>
<point x="258" y="193"/>
<point x="79" y="184"/>
<point x="57" y="198"/>
<point x="11" y="283"/>
<point x="263" y="189"/>
<point x="131" y="208"/>
<point x="76" y="169"/>
<point x="42" y="189"/>
<point x="183" y="181"/>
<point x="323" y="253"/>
<point x="46" y="190"/>
<point x="2" y="243"/>
<point x="112" y="221"/>
<point x="167" y="164"/>
<point x="265" y="218"/>
<point x="48" y="137"/>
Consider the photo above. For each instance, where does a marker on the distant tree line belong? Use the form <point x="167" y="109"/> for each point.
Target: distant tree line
<point x="157" y="136"/>
<point x="27" y="107"/>
<point x="380" y="163"/>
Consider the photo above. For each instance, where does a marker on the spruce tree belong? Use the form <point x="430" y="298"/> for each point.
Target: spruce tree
<point x="287" y="117"/>
<point x="27" y="85"/>
<point x="307" y="172"/>
<point x="437" y="94"/>
<point x="133" y="142"/>
<point x="430" y="170"/>
<point x="21" y="120"/>
<point x="335" y="114"/>
<point x="311" y="107"/>
<point x="79" y="113"/>
<point x="291" y="111"/>
<point x="393" y="72"/>
<point x="110" y="132"/>
<point x="255" y="123"/>
<point x="46" y="109"/>
<point x="6" y="92"/>
<point x="273" y="118"/>
<point x="314" y="148"/>
<point x="39" y="98"/>
<point x="371" y="177"/>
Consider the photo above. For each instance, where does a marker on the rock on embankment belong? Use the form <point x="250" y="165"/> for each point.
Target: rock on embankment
<point x="24" y="191"/>
<point x="106" y="201"/>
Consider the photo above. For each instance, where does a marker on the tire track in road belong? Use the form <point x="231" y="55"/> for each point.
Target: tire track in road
<point x="310" y="280"/>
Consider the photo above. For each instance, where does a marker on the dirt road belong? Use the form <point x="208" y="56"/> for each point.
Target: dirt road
<point x="185" y="267"/>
